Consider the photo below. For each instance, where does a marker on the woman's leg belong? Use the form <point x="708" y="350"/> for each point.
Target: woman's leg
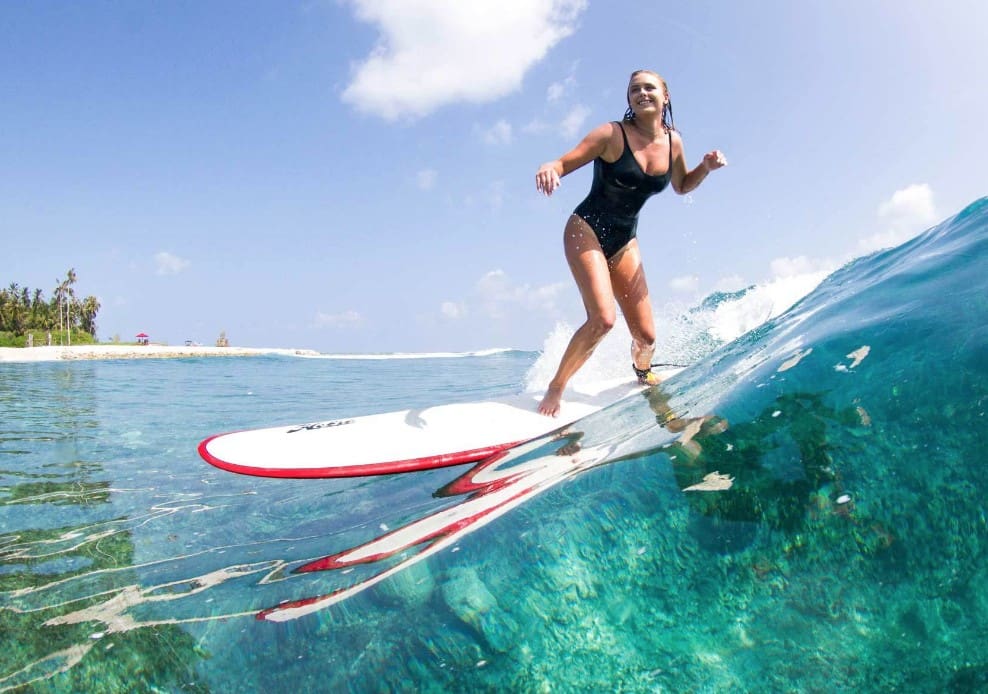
<point x="631" y="292"/>
<point x="593" y="278"/>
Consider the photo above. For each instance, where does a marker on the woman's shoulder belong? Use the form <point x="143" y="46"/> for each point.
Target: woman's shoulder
<point x="676" y="140"/>
<point x="611" y="132"/>
<point x="603" y="141"/>
<point x="606" y="129"/>
<point x="604" y="134"/>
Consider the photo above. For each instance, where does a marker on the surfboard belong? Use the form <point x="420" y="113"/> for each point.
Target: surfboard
<point x="401" y="441"/>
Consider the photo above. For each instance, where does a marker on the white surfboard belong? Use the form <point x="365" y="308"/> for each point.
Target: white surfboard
<point x="403" y="441"/>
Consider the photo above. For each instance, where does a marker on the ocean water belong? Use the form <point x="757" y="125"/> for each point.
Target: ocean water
<point x="803" y="508"/>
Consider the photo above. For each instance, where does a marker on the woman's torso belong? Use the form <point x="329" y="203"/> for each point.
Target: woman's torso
<point x="621" y="187"/>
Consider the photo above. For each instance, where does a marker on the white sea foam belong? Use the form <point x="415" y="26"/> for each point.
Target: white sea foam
<point x="685" y="333"/>
<point x="732" y="319"/>
<point x="416" y="355"/>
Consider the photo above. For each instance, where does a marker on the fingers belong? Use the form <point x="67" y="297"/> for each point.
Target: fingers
<point x="546" y="181"/>
<point x="716" y="159"/>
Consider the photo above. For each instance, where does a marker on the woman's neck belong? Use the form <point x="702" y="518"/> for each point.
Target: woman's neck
<point x="649" y="127"/>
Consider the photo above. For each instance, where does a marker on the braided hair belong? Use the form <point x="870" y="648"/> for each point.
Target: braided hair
<point x="667" y="119"/>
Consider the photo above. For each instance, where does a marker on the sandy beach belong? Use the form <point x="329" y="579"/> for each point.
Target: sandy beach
<point x="31" y="354"/>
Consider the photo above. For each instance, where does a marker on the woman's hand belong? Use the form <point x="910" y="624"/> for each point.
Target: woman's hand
<point x="714" y="160"/>
<point x="547" y="179"/>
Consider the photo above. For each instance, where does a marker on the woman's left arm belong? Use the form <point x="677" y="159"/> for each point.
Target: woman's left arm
<point x="684" y="181"/>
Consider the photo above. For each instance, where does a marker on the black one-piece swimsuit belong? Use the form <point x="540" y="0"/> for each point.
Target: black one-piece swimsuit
<point x="618" y="191"/>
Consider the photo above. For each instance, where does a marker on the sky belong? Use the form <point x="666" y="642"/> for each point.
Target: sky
<point x="355" y="176"/>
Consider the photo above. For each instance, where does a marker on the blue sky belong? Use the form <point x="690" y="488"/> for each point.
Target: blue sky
<point x="358" y="176"/>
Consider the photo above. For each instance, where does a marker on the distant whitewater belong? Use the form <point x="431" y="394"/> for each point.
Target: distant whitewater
<point x="801" y="509"/>
<point x="414" y="355"/>
<point x="685" y="334"/>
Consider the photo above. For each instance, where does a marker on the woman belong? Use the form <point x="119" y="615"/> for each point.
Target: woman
<point x="633" y="160"/>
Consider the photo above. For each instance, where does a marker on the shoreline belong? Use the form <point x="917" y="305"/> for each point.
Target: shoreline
<point x="91" y="352"/>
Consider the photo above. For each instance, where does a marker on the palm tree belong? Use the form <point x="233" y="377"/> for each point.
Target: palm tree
<point x="70" y="278"/>
<point x="59" y="300"/>
<point x="90" y="307"/>
<point x="4" y="309"/>
<point x="23" y="309"/>
<point x="37" y="307"/>
<point x="64" y="294"/>
<point x="15" y="313"/>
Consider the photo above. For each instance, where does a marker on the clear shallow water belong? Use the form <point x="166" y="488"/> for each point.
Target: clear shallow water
<point x="850" y="551"/>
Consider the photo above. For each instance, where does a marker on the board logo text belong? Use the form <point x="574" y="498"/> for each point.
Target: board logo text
<point x="319" y="425"/>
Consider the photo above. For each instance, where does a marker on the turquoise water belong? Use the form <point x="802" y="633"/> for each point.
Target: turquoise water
<point x="843" y="545"/>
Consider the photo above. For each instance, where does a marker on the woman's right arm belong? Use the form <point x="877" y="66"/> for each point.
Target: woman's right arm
<point x="547" y="179"/>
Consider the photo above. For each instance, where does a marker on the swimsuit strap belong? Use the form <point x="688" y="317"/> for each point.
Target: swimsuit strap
<point x="625" y="136"/>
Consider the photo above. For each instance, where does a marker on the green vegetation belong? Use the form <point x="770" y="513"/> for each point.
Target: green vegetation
<point x="27" y="317"/>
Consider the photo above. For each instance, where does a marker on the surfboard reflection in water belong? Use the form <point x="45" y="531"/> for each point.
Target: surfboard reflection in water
<point x="499" y="484"/>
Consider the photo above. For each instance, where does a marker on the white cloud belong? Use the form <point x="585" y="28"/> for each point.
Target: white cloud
<point x="800" y="265"/>
<point x="337" y="320"/>
<point x="686" y="283"/>
<point x="559" y="100"/>
<point x="535" y="127"/>
<point x="426" y="179"/>
<point x="432" y="53"/>
<point x="730" y="283"/>
<point x="908" y="212"/>
<point x="499" y="296"/>
<point x="497" y="134"/>
<point x="911" y="205"/>
<point x="169" y="264"/>
<point x="572" y="124"/>
<point x="453" y="310"/>
<point x="557" y="90"/>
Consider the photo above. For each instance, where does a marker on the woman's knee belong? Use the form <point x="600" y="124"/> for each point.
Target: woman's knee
<point x="644" y="338"/>
<point x="600" y="324"/>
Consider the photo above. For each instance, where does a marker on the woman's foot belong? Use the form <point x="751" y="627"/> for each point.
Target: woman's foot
<point x="551" y="402"/>
<point x="646" y="377"/>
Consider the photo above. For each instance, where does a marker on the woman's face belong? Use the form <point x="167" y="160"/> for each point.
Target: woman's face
<point x="646" y="92"/>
